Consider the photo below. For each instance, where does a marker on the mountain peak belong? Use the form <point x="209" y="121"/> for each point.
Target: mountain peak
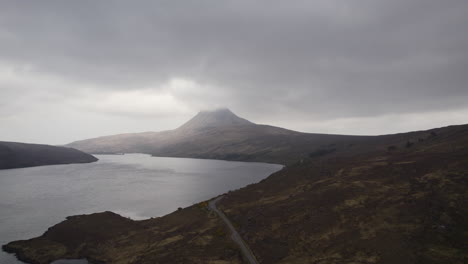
<point x="214" y="118"/>
<point x="222" y="110"/>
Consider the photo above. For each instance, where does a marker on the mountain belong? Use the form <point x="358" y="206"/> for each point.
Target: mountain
<point x="220" y="134"/>
<point x="217" y="118"/>
<point x="385" y="199"/>
<point x="20" y="155"/>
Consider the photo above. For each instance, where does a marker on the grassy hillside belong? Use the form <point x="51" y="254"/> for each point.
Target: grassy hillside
<point x="399" y="206"/>
<point x="389" y="199"/>
<point x="191" y="235"/>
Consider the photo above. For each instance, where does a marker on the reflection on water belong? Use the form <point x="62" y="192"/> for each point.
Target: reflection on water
<point x="134" y="185"/>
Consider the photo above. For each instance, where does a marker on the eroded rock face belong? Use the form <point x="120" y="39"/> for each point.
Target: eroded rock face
<point x="20" y="155"/>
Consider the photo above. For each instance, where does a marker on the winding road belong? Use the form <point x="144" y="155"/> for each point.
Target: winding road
<point x="234" y="235"/>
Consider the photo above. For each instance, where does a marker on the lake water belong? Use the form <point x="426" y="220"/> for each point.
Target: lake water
<point x="134" y="185"/>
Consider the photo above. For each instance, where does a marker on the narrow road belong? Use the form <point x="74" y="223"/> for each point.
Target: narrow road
<point x="234" y="235"/>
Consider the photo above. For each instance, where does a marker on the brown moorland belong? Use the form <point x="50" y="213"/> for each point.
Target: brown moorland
<point x="386" y="199"/>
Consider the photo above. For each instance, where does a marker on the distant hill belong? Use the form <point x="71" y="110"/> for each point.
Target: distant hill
<point x="220" y="134"/>
<point x="20" y="155"/>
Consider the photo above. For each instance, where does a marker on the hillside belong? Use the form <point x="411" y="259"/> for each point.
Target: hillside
<point x="20" y="155"/>
<point x="218" y="134"/>
<point x="396" y="199"/>
<point x="406" y="205"/>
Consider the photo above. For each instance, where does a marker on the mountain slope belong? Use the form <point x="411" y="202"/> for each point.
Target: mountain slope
<point x="20" y="155"/>
<point x="217" y="118"/>
<point x="403" y="205"/>
<point x="206" y="131"/>
<point x="396" y="199"/>
<point x="220" y="134"/>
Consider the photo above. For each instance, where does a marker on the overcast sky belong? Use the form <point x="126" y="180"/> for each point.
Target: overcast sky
<point x="72" y="70"/>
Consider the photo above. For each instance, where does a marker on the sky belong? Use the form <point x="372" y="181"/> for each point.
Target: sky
<point x="72" y="70"/>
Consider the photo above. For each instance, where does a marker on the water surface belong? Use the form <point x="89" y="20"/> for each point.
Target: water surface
<point x="134" y="185"/>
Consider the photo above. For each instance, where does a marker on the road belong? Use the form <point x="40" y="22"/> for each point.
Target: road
<point x="249" y="256"/>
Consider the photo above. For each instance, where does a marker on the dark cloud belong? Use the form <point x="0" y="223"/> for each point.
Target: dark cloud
<point x="302" y="62"/>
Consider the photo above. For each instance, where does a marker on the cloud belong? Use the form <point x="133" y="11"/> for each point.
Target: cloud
<point x="159" y="99"/>
<point x="321" y="62"/>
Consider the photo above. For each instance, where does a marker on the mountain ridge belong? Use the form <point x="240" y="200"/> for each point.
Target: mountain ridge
<point x="216" y="134"/>
<point x="221" y="134"/>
